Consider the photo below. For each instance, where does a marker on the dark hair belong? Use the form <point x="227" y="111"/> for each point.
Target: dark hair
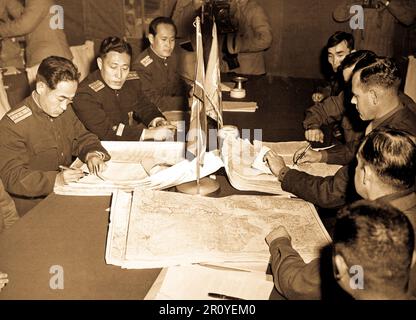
<point x="160" y="20"/>
<point x="355" y="57"/>
<point x="114" y="44"/>
<point x="392" y="154"/>
<point x="340" y="36"/>
<point x="379" y="71"/>
<point x="53" y="70"/>
<point x="380" y="239"/>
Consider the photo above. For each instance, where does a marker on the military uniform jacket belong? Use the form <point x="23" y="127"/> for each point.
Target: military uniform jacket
<point x="33" y="145"/>
<point x="8" y="213"/>
<point x="333" y="191"/>
<point x="160" y="80"/>
<point x="332" y="109"/>
<point x="105" y="111"/>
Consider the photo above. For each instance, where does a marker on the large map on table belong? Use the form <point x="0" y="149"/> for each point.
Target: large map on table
<point x="153" y="229"/>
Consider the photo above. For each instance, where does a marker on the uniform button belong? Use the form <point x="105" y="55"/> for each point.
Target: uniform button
<point x="62" y="154"/>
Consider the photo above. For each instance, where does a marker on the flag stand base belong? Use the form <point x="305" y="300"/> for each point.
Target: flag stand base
<point x="207" y="187"/>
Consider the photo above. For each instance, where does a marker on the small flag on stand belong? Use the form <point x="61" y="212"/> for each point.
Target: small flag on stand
<point x="198" y="123"/>
<point x="213" y="99"/>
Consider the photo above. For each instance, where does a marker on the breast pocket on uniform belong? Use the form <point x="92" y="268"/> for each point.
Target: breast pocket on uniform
<point x="44" y="156"/>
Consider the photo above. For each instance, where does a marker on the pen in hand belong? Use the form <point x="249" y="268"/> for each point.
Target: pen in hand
<point x="302" y="154"/>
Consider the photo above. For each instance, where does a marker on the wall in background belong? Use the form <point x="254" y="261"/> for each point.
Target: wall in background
<point x="300" y="31"/>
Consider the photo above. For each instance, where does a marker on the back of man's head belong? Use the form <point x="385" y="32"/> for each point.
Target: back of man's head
<point x="391" y="154"/>
<point x="114" y="44"/>
<point x="160" y="20"/>
<point x="340" y="36"/>
<point x="356" y="56"/>
<point x="380" y="240"/>
<point x="53" y="70"/>
<point x="378" y="72"/>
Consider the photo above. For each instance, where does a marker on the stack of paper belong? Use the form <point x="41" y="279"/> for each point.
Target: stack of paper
<point x="239" y="106"/>
<point x="227" y="86"/>
<point x="240" y="155"/>
<point x="185" y="283"/>
<point x="151" y="165"/>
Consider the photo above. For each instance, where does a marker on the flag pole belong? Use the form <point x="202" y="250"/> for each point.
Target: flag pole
<point x="202" y="186"/>
<point x="198" y="153"/>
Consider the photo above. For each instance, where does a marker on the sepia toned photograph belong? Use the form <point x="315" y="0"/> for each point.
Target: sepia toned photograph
<point x="185" y="153"/>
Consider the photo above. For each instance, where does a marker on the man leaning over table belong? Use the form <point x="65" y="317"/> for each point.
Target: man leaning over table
<point x="386" y="167"/>
<point x="42" y="133"/>
<point x="375" y="89"/>
<point x="371" y="257"/>
<point x="110" y="101"/>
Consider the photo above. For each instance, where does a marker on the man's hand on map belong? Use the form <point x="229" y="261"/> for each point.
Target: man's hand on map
<point x="275" y="162"/>
<point x="279" y="232"/>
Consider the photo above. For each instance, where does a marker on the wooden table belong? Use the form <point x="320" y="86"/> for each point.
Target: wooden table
<point x="70" y="232"/>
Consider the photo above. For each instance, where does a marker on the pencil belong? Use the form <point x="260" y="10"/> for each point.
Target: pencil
<point x="222" y="296"/>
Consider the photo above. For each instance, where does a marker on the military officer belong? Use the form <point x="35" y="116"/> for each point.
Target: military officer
<point x="375" y="90"/>
<point x="110" y="100"/>
<point x="158" y="68"/>
<point x="42" y="133"/>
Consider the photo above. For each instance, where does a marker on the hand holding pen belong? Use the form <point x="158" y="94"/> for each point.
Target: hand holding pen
<point x="306" y="155"/>
<point x="67" y="175"/>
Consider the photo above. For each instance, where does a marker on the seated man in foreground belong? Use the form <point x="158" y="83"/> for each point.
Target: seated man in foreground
<point x="42" y="133"/>
<point x="375" y="88"/>
<point x="157" y="67"/>
<point x="110" y="100"/>
<point x="372" y="252"/>
<point x="385" y="173"/>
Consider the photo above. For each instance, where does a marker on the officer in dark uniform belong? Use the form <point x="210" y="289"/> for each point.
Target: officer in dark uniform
<point x="42" y="133"/>
<point x="109" y="99"/>
<point x="375" y="88"/>
<point x="157" y="67"/>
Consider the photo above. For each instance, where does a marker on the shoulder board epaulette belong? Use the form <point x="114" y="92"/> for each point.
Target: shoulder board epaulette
<point x="146" y="61"/>
<point x="133" y="76"/>
<point x="97" y="85"/>
<point x="20" y="114"/>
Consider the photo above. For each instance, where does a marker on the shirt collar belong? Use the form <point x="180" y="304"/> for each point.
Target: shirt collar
<point x="164" y="59"/>
<point x="377" y="122"/>
<point x="397" y="195"/>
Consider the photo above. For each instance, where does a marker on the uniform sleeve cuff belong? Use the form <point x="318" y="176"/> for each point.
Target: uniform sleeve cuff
<point x="99" y="154"/>
<point x="282" y="173"/>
